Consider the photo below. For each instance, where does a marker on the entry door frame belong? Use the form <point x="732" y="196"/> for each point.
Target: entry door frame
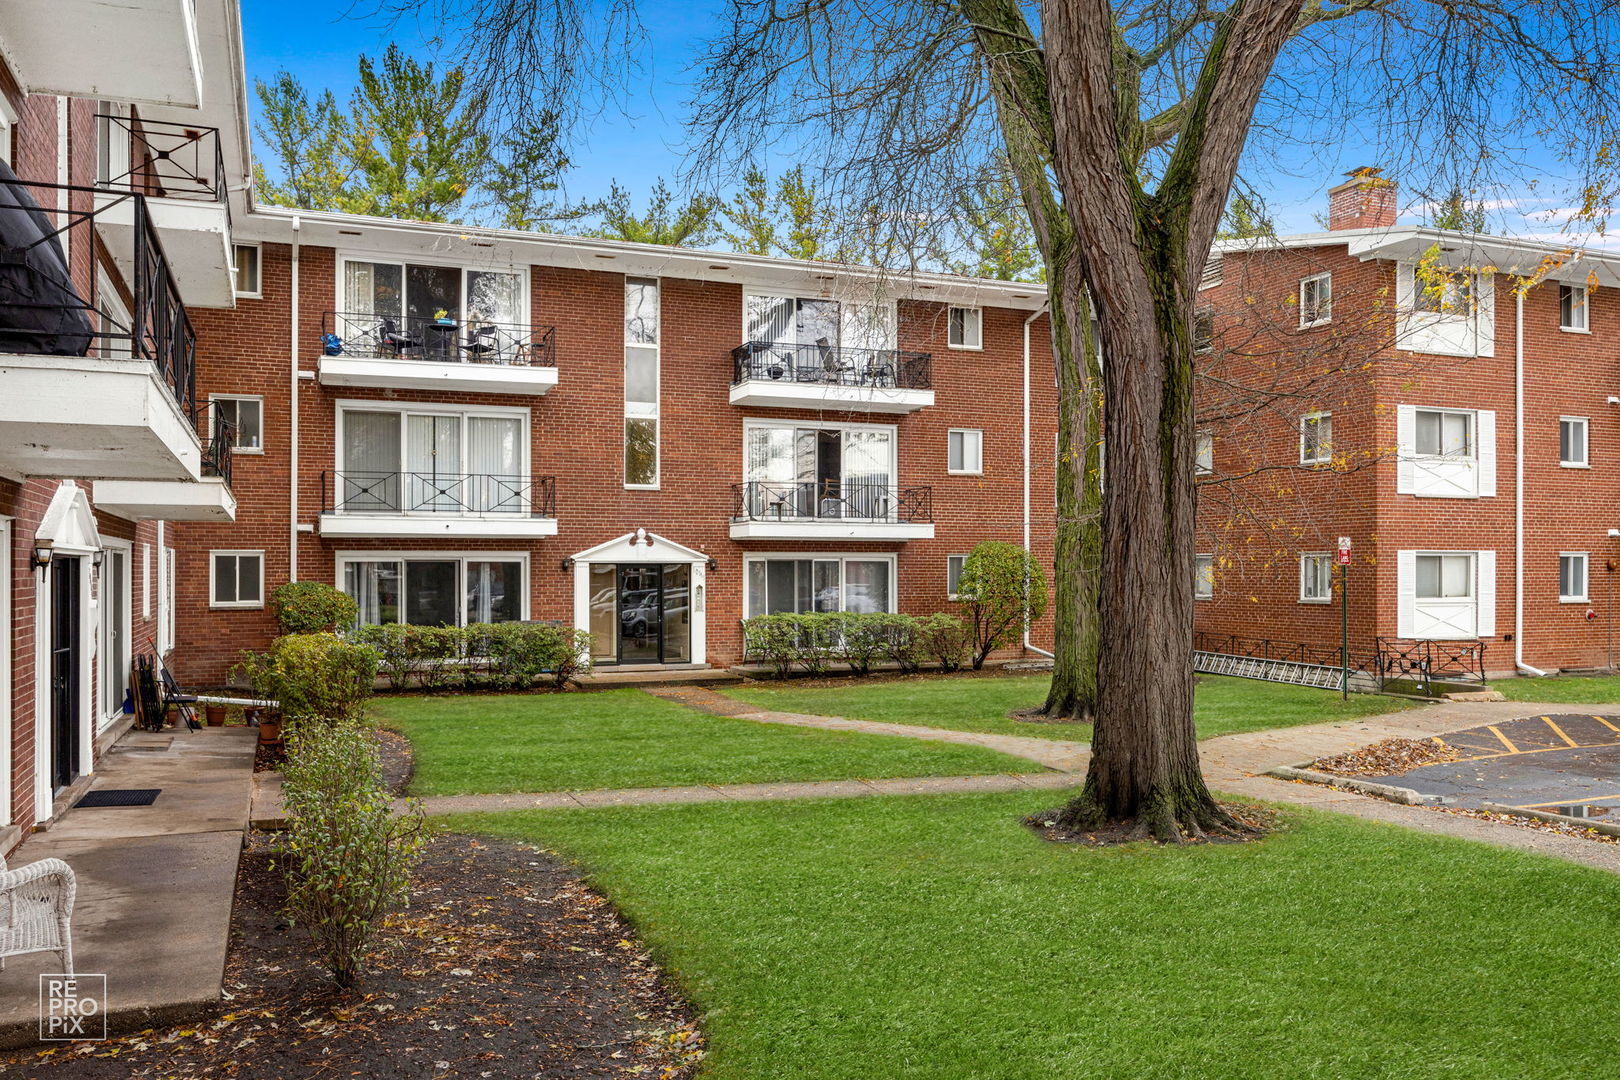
<point x="657" y="570"/>
<point x="70" y="526"/>
<point x="66" y="576"/>
<point x="644" y="551"/>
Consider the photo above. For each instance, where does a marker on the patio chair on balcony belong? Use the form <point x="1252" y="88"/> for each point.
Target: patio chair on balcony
<point x="482" y="341"/>
<point x="832" y="369"/>
<point x="36" y="910"/>
<point x="389" y="333"/>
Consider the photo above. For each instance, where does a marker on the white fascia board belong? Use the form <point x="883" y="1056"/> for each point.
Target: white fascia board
<point x="430" y="375"/>
<point x="463" y="526"/>
<point x="210" y="499"/>
<point x="772" y="394"/>
<point x="831" y="530"/>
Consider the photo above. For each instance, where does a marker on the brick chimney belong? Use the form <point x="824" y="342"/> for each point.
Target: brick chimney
<point x="1365" y="201"/>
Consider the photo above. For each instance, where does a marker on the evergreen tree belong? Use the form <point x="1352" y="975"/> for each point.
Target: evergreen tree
<point x="689" y="224"/>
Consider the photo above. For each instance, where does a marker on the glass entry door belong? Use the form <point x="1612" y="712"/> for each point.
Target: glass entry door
<point x="641" y="613"/>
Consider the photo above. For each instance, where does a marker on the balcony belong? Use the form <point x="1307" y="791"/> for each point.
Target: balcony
<point x="815" y="510"/>
<point x="436" y="504"/>
<point x="412" y="353"/>
<point x="180" y="171"/>
<point x="210" y="499"/>
<point x="133" y="50"/>
<point x="783" y="375"/>
<point x="90" y="392"/>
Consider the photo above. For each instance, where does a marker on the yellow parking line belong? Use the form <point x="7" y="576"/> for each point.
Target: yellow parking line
<point x="1559" y="731"/>
<point x="1606" y="724"/>
<point x="1494" y="730"/>
<point x="1523" y="753"/>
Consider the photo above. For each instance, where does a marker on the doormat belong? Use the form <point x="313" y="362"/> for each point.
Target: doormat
<point x="141" y="796"/>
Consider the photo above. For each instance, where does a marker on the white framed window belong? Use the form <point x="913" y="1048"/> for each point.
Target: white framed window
<point x="1203" y="330"/>
<point x="1572" y="442"/>
<point x="1444" y="292"/>
<point x="1316" y="438"/>
<point x="415" y="293"/>
<point x="826" y="471"/>
<point x="641" y="383"/>
<point x="1204" y="454"/>
<point x="966" y="328"/>
<point x="1445" y="453"/>
<point x="1572" y="579"/>
<point x="8" y="127"/>
<point x="431" y="459"/>
<point x="1445" y="595"/>
<point x="113" y="596"/>
<point x="965" y="451"/>
<point x="146" y="581"/>
<point x="1315" y="300"/>
<point x="435" y="588"/>
<point x="1203" y="577"/>
<point x="245" y="268"/>
<point x="1448" y="311"/>
<point x="953" y="575"/>
<point x="117" y="340"/>
<point x="1445" y="434"/>
<point x="235" y="579"/>
<point x="1316" y="579"/>
<point x="245" y="414"/>
<point x="1572" y="309"/>
<point x="794" y="583"/>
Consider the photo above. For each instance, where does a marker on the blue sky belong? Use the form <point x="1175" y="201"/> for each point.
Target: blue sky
<point x="319" y="44"/>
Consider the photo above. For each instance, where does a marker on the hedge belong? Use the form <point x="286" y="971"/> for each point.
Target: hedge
<point x="811" y="642"/>
<point x="510" y="655"/>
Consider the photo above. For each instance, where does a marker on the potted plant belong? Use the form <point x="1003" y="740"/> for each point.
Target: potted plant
<point x="215" y="714"/>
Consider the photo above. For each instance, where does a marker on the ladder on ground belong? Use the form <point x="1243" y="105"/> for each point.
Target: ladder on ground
<point x="1296" y="672"/>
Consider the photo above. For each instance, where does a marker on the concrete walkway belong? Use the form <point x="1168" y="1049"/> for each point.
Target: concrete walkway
<point x="155" y="883"/>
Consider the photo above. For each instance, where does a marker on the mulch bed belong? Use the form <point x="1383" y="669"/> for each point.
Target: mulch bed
<point x="1037" y="715"/>
<point x="1257" y="818"/>
<point x="1391" y="757"/>
<point x="505" y="965"/>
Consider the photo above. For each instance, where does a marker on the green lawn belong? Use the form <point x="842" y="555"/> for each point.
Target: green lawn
<point x="934" y="937"/>
<point x="1224" y="705"/>
<point x="473" y="744"/>
<point x="1574" y="689"/>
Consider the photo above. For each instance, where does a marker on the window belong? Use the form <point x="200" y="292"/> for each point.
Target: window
<point x="1204" y="454"/>
<point x="113" y="597"/>
<point x="245" y="261"/>
<point x="1572" y="432"/>
<point x="146" y="581"/>
<point x="965" y="453"/>
<point x="1445" y="434"/>
<point x="1445" y="577"/>
<point x="1316" y="438"/>
<point x="8" y="123"/>
<point x="1440" y="291"/>
<point x="1204" y="330"/>
<point x="236" y="579"/>
<point x="1572" y="308"/>
<point x="953" y="575"/>
<point x="1316" y="300"/>
<point x="820" y="583"/>
<point x="966" y="328"/>
<point x="438" y="461"/>
<point x="1572" y="577"/>
<point x="641" y="383"/>
<point x="420" y="306"/>
<point x="1316" y="579"/>
<point x="1445" y="595"/>
<point x="793" y="471"/>
<point x="1203" y="577"/>
<point x="116" y="340"/>
<point x="436" y="590"/>
<point x="246" y="417"/>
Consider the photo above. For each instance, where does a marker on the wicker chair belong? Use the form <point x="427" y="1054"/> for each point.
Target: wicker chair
<point x="36" y="909"/>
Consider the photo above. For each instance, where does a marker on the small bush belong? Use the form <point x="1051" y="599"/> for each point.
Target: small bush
<point x="1003" y="592"/>
<point x="392" y="642"/>
<point x="774" y="640"/>
<point x="437" y="656"/>
<point x="945" y="638"/>
<point x="815" y="641"/>
<point x="483" y="655"/>
<point x="855" y="639"/>
<point x="346" y="854"/>
<point x="901" y="641"/>
<point x="309" y="607"/>
<point x="314" y="676"/>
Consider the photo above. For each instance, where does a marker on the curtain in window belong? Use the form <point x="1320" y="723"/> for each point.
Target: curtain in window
<point x="492" y="296"/>
<point x="375" y="589"/>
<point x="494" y="456"/>
<point x="867" y="458"/>
<point x="769" y="468"/>
<point x="494" y="592"/>
<point x="372" y="288"/>
<point x="370" y="477"/>
<point x="434" y="479"/>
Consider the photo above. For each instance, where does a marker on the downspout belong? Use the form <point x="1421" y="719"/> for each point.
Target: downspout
<point x="292" y="397"/>
<point x="1037" y="314"/>
<point x="1518" y="490"/>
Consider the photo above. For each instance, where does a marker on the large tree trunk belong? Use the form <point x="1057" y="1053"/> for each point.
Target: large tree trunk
<point x="1141" y="255"/>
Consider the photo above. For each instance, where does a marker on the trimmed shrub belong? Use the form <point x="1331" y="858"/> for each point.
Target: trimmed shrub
<point x="392" y="642"/>
<point x="314" y="676"/>
<point x="346" y="854"/>
<point x="1003" y="591"/>
<point x="774" y="640"/>
<point x="815" y="641"/>
<point x="309" y="607"/>
<point x="855" y="639"/>
<point x="482" y="655"/>
<point x="437" y="656"/>
<point x="901" y="641"/>
<point x="945" y="638"/>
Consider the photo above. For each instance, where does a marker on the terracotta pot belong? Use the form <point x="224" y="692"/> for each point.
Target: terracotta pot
<point x="215" y="714"/>
<point x="270" y="729"/>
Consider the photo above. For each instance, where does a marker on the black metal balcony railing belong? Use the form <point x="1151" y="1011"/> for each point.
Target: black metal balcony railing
<point x="832" y="365"/>
<point x="355" y="492"/>
<point x="221" y="440"/>
<point x="41" y="309"/>
<point x="1429" y="661"/>
<point x="763" y="500"/>
<point x="475" y="341"/>
<point x="169" y="161"/>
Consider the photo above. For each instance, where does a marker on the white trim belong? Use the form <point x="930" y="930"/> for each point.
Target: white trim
<point x="1320" y="320"/>
<point x="259" y="400"/>
<point x="460" y="558"/>
<point x="1584" y="324"/>
<point x="126" y="632"/>
<point x="420" y="258"/>
<point x="258" y="270"/>
<point x="641" y="411"/>
<point x="8" y="626"/>
<point x="951" y="594"/>
<point x="978" y="434"/>
<point x="1200" y="581"/>
<point x="1585" y="460"/>
<point x="1303" y="598"/>
<point x="978" y="314"/>
<point x="1317" y="415"/>
<point x="1203" y="451"/>
<point x="661" y="550"/>
<point x="433" y="522"/>
<point x="146" y="580"/>
<point x="841" y="557"/>
<point x="237" y="554"/>
<point x="1586" y="577"/>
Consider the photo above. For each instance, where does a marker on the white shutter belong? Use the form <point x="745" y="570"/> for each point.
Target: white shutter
<point x="1484" y="321"/>
<point x="1405" y="447"/>
<point x="1485" y="587"/>
<point x="1486" y="422"/>
<point x="1405" y="594"/>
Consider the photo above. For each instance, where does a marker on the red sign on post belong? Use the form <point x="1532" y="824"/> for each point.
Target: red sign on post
<point x="1343" y="558"/>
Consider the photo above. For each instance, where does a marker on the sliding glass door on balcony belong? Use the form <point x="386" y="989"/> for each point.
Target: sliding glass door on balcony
<point x="801" y="472"/>
<point x="433" y="462"/>
<point x="430" y="312"/>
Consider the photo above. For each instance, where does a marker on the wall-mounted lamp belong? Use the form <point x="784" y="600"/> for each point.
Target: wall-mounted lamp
<point x="42" y="553"/>
<point x="567" y="565"/>
<point x="714" y="564"/>
<point x="98" y="557"/>
<point x="1614" y="400"/>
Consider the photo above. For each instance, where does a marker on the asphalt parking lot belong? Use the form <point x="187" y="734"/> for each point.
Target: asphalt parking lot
<point x="1544" y="762"/>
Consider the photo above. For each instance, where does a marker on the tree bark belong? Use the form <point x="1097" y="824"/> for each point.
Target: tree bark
<point x="1141" y="255"/>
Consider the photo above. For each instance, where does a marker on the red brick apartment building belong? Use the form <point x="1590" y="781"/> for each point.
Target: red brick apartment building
<point x="1445" y="400"/>
<point x="201" y="399"/>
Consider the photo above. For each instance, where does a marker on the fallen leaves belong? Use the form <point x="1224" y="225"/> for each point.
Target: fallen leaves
<point x="1391" y="757"/>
